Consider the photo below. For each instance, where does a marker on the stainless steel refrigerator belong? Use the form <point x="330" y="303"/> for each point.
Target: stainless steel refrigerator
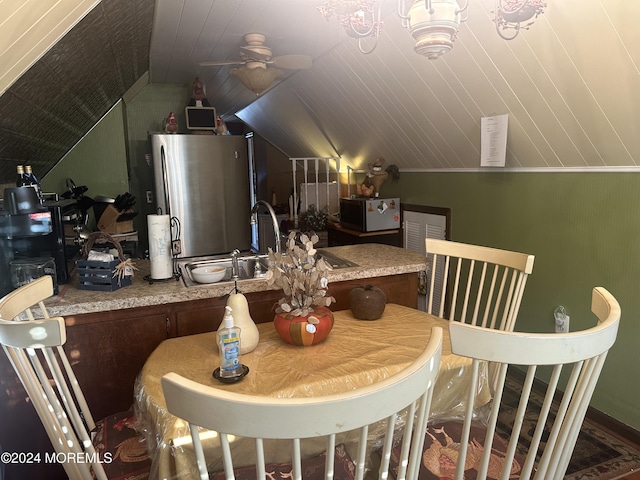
<point x="203" y="182"/>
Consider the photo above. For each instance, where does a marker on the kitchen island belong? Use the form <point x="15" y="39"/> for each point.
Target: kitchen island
<point x="372" y="260"/>
<point x="111" y="334"/>
<point x="118" y="330"/>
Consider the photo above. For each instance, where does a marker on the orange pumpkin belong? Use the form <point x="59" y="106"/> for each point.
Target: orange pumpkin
<point x="294" y="330"/>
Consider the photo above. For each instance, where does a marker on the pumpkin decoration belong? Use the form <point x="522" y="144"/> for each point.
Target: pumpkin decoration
<point x="302" y="316"/>
<point x="304" y="330"/>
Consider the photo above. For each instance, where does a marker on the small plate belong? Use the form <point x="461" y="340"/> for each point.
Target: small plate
<point x="216" y="375"/>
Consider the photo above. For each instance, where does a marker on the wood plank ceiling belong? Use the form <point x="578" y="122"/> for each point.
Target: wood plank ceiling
<point x="569" y="84"/>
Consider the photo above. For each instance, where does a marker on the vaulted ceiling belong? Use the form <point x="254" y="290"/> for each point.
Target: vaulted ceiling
<point x="568" y="84"/>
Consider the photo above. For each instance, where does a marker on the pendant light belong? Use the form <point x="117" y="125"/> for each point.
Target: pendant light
<point x="434" y="24"/>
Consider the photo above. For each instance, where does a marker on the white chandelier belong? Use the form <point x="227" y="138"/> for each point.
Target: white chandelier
<point x="434" y="24"/>
<point x="510" y="15"/>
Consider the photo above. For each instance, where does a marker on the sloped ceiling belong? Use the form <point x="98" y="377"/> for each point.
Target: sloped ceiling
<point x="66" y="92"/>
<point x="568" y="84"/>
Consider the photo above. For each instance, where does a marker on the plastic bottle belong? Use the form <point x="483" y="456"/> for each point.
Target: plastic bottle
<point x="249" y="334"/>
<point x="229" y="347"/>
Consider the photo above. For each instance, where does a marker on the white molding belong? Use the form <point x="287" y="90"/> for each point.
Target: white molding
<point x="609" y="169"/>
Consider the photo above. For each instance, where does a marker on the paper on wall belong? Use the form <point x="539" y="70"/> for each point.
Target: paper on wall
<point x="493" y="144"/>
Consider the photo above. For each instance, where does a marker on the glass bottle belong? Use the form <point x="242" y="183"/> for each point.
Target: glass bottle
<point x="32" y="181"/>
<point x="21" y="180"/>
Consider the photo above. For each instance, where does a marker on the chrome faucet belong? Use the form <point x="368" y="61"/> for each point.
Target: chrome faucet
<point x="254" y="219"/>
<point x="235" y="271"/>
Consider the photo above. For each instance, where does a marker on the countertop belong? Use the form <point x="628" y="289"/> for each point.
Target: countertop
<point x="373" y="260"/>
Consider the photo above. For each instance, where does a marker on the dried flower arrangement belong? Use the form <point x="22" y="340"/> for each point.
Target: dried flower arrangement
<point x="301" y="275"/>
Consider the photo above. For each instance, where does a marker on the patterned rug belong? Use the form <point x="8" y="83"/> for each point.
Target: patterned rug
<point x="597" y="455"/>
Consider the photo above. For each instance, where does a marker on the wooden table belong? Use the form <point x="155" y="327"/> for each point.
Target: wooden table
<point x="356" y="353"/>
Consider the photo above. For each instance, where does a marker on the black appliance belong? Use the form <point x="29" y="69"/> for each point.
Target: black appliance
<point x="29" y="230"/>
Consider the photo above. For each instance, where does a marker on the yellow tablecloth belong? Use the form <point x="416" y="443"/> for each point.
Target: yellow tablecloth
<point x="356" y="353"/>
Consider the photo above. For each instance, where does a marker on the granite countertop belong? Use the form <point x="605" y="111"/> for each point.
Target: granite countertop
<point x="373" y="260"/>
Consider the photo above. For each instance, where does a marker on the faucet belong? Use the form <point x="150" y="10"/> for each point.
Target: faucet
<point x="235" y="271"/>
<point x="254" y="219"/>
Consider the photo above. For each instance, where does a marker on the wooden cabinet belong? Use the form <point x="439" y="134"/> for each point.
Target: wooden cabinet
<point x="107" y="350"/>
<point x="339" y="235"/>
<point x="205" y="315"/>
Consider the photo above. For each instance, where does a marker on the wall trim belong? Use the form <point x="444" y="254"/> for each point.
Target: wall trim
<point x="628" y="169"/>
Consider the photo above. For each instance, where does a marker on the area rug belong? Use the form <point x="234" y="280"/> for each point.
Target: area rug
<point x="597" y="455"/>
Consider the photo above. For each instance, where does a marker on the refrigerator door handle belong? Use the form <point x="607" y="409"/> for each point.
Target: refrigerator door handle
<point x="165" y="181"/>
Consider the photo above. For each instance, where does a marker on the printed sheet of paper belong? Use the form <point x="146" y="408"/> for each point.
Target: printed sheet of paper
<point x="493" y="144"/>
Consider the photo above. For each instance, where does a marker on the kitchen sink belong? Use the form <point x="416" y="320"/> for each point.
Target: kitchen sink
<point x="247" y="264"/>
<point x="335" y="261"/>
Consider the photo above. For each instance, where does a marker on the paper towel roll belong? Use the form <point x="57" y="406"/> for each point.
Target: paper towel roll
<point x="160" y="246"/>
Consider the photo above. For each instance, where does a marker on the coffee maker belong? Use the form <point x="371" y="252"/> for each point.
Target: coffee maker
<point x="32" y="240"/>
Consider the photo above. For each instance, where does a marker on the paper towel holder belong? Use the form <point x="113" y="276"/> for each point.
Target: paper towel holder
<point x="175" y="273"/>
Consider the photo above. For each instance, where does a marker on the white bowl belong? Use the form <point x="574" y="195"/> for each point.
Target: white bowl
<point x="208" y="274"/>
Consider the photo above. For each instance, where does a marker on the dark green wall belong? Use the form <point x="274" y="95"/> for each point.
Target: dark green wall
<point x="98" y="161"/>
<point x="584" y="230"/>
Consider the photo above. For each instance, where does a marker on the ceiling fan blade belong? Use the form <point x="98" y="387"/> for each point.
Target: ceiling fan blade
<point x="221" y="63"/>
<point x="292" y="62"/>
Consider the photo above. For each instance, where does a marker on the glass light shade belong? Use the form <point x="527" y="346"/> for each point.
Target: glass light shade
<point x="434" y="31"/>
<point x="257" y="79"/>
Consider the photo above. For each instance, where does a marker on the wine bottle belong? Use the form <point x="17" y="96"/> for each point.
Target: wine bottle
<point x="21" y="179"/>
<point x="32" y="181"/>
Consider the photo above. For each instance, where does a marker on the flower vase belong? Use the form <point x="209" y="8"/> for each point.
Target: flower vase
<point x="304" y="330"/>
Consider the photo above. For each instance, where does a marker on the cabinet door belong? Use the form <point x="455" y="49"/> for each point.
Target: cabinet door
<point x="106" y="357"/>
<point x="401" y="289"/>
<point x="192" y="321"/>
<point x="202" y="316"/>
<point x="106" y="351"/>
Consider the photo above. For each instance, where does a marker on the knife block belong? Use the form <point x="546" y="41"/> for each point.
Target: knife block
<point x="109" y="223"/>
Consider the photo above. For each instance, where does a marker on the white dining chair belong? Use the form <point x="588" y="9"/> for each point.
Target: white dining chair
<point x="570" y="364"/>
<point x="269" y="419"/>
<point x="35" y="349"/>
<point x="476" y="285"/>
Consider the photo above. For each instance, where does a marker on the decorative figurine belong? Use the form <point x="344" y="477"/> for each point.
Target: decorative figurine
<point x="376" y="177"/>
<point x="221" y="127"/>
<point x="170" y="124"/>
<point x="197" y="88"/>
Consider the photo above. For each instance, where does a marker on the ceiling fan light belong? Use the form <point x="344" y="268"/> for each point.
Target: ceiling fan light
<point x="257" y="79"/>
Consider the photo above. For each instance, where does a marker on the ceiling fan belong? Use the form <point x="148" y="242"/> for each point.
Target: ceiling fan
<point x="259" y="67"/>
